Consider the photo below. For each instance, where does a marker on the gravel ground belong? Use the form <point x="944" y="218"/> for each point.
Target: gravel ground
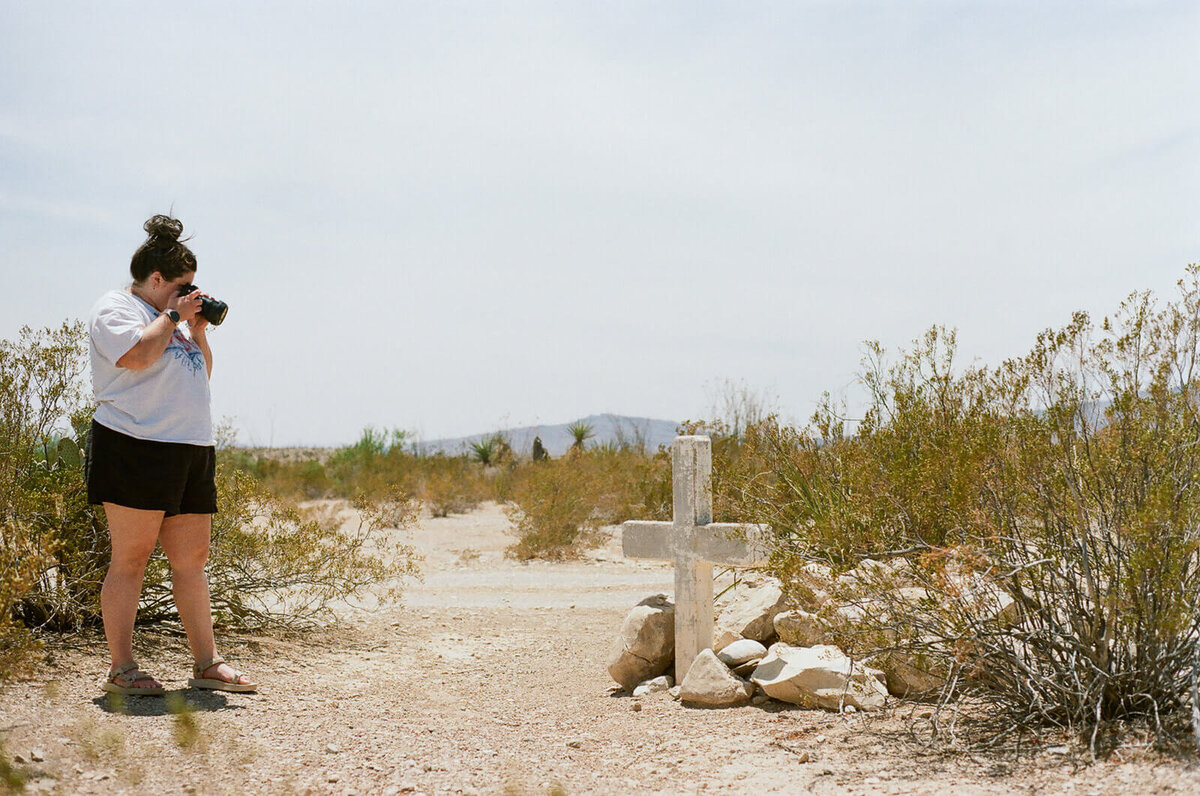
<point x="488" y="679"/>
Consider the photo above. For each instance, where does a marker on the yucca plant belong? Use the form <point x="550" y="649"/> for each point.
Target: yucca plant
<point x="580" y="433"/>
<point x="487" y="450"/>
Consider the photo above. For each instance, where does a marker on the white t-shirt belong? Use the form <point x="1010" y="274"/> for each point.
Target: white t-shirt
<point x="168" y="401"/>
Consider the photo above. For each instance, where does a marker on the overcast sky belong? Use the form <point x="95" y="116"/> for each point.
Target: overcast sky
<point x="451" y="217"/>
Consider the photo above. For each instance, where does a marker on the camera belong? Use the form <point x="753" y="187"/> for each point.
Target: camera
<point x="212" y="310"/>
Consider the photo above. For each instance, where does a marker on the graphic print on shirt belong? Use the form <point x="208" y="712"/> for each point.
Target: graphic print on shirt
<point x="186" y="351"/>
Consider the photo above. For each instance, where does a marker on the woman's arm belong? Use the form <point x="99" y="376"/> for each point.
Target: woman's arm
<point x="199" y="327"/>
<point x="156" y="336"/>
<point x="155" y="339"/>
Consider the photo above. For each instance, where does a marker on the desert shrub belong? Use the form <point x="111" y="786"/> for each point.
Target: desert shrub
<point x="295" y="475"/>
<point x="1037" y="520"/>
<point x="450" y="484"/>
<point x="559" y="507"/>
<point x="379" y="464"/>
<point x="276" y="565"/>
<point x="40" y="488"/>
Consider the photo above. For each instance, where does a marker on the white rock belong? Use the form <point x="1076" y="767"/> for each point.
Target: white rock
<point x="646" y="645"/>
<point x="674" y="692"/>
<point x="664" y="682"/>
<point x="820" y="676"/>
<point x="709" y="683"/>
<point x="752" y="614"/>
<point x="740" y="652"/>
<point x="801" y="628"/>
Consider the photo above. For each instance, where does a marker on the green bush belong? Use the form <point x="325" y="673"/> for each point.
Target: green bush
<point x="1049" y="509"/>
<point x="41" y="493"/>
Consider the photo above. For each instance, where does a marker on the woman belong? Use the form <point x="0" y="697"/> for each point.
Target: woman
<point x="151" y="455"/>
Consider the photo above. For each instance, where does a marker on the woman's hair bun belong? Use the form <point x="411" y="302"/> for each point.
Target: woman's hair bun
<point x="164" y="228"/>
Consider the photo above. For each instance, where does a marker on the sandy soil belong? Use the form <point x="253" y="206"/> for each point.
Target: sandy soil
<point x="489" y="678"/>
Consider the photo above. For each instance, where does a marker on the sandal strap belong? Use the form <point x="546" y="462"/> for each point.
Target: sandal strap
<point x="128" y="672"/>
<point x="122" y="669"/>
<point x="200" y="668"/>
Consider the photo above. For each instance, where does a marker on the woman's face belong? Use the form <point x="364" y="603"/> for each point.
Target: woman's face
<point x="158" y="290"/>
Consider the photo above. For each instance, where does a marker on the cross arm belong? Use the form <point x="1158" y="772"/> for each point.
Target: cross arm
<point x="729" y="544"/>
<point x="647" y="539"/>
<point x="733" y="544"/>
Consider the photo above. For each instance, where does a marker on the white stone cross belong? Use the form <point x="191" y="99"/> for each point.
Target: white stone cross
<point x="694" y="543"/>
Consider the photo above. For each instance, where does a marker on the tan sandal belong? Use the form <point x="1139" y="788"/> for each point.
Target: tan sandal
<point x="130" y="673"/>
<point x="213" y="684"/>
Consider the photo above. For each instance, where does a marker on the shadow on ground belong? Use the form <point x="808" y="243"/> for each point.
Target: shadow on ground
<point x="184" y="700"/>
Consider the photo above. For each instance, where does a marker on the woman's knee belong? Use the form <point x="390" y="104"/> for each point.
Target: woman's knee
<point x="188" y="561"/>
<point x="129" y="560"/>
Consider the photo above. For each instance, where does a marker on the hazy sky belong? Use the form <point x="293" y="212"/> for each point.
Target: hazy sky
<point x="453" y="216"/>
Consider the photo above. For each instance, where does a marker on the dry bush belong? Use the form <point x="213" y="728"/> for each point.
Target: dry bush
<point x="559" y="507"/>
<point x="450" y="485"/>
<point x="41" y="494"/>
<point x="1047" y="509"/>
<point x="294" y="477"/>
<point x="275" y="565"/>
<point x="379" y="466"/>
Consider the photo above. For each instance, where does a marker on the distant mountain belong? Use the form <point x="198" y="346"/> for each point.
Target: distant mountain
<point x="557" y="440"/>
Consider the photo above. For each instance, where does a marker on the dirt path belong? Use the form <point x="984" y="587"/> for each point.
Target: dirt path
<point x="490" y="678"/>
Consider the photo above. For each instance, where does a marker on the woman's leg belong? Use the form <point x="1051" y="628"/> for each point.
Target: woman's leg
<point x="185" y="539"/>
<point x="134" y="533"/>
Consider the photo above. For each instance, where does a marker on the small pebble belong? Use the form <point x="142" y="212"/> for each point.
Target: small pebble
<point x="19" y="758"/>
<point x="575" y="744"/>
<point x="635" y="707"/>
<point x="332" y="749"/>
<point x="850" y="709"/>
<point x="37" y="756"/>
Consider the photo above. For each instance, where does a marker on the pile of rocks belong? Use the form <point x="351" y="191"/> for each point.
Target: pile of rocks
<point x="768" y="645"/>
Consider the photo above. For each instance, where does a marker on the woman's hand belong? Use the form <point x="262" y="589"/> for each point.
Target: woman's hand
<point x="187" y="306"/>
<point x="198" y="324"/>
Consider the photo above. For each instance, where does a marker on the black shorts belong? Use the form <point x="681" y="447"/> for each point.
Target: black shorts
<point x="155" y="476"/>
